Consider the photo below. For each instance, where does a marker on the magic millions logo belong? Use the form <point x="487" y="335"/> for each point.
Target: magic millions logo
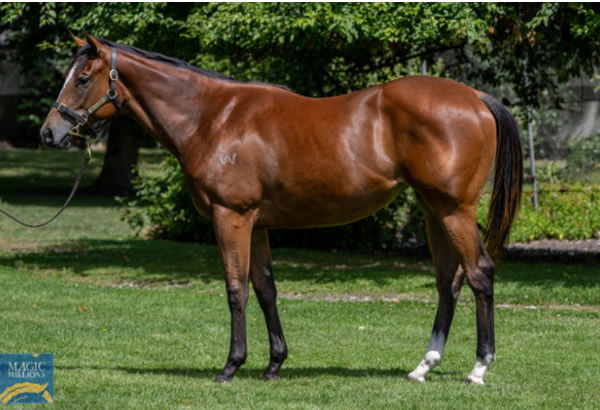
<point x="26" y="378"/>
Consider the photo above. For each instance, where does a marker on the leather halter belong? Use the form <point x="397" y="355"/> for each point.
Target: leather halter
<point x="82" y="127"/>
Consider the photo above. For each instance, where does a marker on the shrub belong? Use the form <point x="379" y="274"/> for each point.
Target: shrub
<point x="565" y="212"/>
<point x="162" y="207"/>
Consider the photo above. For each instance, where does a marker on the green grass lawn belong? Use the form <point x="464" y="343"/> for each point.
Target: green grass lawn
<point x="144" y="324"/>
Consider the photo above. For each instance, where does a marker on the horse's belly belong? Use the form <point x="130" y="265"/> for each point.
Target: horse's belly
<point x="324" y="208"/>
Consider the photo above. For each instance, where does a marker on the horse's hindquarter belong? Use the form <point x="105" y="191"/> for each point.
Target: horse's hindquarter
<point x="445" y="135"/>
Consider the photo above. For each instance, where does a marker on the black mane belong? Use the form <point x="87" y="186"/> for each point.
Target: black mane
<point x="165" y="59"/>
<point x="86" y="49"/>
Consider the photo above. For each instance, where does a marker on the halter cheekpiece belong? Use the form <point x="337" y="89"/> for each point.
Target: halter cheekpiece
<point x="82" y="127"/>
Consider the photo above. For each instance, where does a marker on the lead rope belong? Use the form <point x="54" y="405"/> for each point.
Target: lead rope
<point x="86" y="160"/>
<point x="81" y="121"/>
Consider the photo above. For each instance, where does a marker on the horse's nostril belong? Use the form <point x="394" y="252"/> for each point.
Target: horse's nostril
<point x="47" y="136"/>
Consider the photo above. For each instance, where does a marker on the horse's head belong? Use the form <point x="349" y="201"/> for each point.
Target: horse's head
<point x="88" y="97"/>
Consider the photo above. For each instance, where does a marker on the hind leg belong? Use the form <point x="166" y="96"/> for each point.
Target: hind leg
<point x="261" y="274"/>
<point x="481" y="281"/>
<point x="462" y="233"/>
<point x="449" y="280"/>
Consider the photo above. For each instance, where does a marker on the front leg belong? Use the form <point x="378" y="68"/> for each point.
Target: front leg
<point x="233" y="231"/>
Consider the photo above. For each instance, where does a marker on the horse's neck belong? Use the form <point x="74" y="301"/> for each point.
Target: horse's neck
<point x="165" y="100"/>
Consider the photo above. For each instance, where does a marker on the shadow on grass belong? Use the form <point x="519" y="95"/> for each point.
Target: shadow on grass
<point x="249" y="373"/>
<point x="146" y="262"/>
<point x="55" y="198"/>
<point x="27" y="172"/>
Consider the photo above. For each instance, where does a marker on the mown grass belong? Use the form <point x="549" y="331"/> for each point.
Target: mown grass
<point x="145" y="324"/>
<point x="156" y="347"/>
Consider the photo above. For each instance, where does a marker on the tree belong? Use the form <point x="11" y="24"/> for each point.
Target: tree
<point x="124" y="139"/>
<point x="321" y="49"/>
<point x="41" y="44"/>
<point x="330" y="48"/>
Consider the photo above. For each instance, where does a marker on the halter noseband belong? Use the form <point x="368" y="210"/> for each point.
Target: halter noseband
<point x="82" y="127"/>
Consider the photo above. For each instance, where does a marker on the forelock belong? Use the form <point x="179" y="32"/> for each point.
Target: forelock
<point x="82" y="56"/>
<point x="85" y="50"/>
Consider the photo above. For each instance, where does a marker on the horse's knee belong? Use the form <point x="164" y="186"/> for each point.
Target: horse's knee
<point x="237" y="297"/>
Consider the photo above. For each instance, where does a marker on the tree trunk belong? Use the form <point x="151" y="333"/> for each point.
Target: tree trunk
<point x="118" y="170"/>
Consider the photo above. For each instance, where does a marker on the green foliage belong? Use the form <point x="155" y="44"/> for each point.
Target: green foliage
<point x="163" y="205"/>
<point x="317" y="49"/>
<point x="550" y="42"/>
<point x="583" y="158"/>
<point x="320" y="48"/>
<point x="330" y="48"/>
<point x="565" y="212"/>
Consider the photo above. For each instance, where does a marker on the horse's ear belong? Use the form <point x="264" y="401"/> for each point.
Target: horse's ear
<point x="96" y="45"/>
<point x="80" y="42"/>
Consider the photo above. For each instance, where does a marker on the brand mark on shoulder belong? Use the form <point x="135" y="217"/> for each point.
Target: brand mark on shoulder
<point x="227" y="159"/>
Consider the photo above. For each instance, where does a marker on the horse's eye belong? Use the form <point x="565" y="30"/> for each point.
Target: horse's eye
<point x="83" y="81"/>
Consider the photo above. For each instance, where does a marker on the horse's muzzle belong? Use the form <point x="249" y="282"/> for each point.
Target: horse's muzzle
<point x="49" y="139"/>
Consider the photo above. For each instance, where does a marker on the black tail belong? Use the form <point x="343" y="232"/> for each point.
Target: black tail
<point x="508" y="177"/>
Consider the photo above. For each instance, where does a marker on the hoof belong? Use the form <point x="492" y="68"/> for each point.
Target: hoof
<point x="223" y="379"/>
<point x="413" y="377"/>
<point x="271" y="376"/>
<point x="475" y="380"/>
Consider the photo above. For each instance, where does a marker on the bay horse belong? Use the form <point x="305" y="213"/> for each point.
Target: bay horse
<point x="258" y="156"/>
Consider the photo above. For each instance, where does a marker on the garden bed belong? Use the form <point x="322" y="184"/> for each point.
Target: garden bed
<point x="581" y="251"/>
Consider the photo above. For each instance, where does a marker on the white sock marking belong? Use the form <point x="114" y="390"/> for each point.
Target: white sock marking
<point x="481" y="366"/>
<point x="432" y="358"/>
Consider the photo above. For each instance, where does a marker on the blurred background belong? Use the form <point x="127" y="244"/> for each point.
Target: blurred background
<point x="539" y="59"/>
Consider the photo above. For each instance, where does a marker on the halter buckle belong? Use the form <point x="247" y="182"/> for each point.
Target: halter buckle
<point x="112" y="94"/>
<point x="113" y="75"/>
<point x="76" y="131"/>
